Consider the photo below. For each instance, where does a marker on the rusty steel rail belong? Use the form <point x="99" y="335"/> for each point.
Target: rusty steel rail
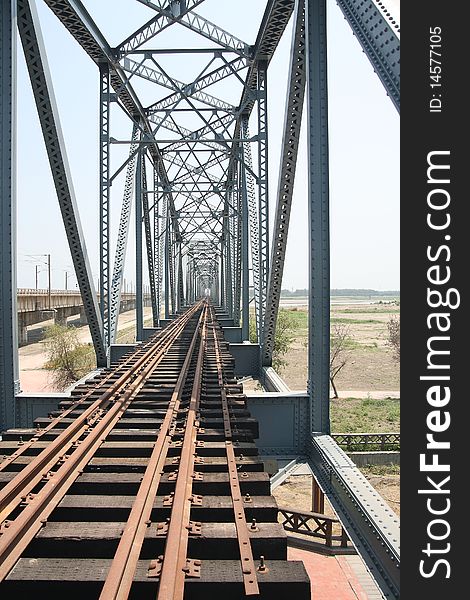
<point x="11" y="494"/>
<point x="176" y="564"/>
<point x="120" y="576"/>
<point x="129" y="366"/>
<point x="17" y="535"/>
<point x="246" y="555"/>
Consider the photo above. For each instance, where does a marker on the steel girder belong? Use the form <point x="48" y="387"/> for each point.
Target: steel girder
<point x="274" y="22"/>
<point x="149" y="244"/>
<point x="263" y="207"/>
<point x="156" y="76"/>
<point x="170" y="11"/>
<point x="180" y="299"/>
<point x="157" y="245"/>
<point x="237" y="236"/>
<point x="213" y="191"/>
<point x="378" y="32"/>
<point x="139" y="306"/>
<point x="289" y="151"/>
<point x="371" y="524"/>
<point x="203" y="27"/>
<point x="254" y="226"/>
<point x="76" y="19"/>
<point x="123" y="235"/>
<point x="166" y="262"/>
<point x="245" y="259"/>
<point x="105" y="111"/>
<point x="78" y="22"/>
<point x="318" y="385"/>
<point x="9" y="381"/>
<point x="31" y="39"/>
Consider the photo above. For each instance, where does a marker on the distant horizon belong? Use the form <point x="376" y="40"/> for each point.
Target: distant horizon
<point x="348" y="291"/>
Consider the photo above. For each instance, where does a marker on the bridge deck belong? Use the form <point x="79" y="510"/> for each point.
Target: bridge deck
<point x="147" y="484"/>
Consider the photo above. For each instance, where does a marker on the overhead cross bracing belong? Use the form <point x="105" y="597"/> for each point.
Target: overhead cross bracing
<point x="191" y="135"/>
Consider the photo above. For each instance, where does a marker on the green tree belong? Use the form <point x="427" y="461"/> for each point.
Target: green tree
<point x="286" y="326"/>
<point x="68" y="359"/>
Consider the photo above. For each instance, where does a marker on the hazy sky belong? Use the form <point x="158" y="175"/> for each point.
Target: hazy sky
<point x="364" y="142"/>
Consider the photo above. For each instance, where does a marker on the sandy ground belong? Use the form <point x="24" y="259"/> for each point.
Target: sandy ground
<point x="34" y="378"/>
<point x="296" y="492"/>
<point x="370" y="367"/>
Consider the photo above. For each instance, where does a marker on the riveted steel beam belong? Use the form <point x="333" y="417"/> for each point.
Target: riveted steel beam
<point x="31" y="39"/>
<point x="161" y="21"/>
<point x="123" y="235"/>
<point x="9" y="376"/>
<point x="378" y="32"/>
<point x="370" y="523"/>
<point x="318" y="385"/>
<point x="289" y="151"/>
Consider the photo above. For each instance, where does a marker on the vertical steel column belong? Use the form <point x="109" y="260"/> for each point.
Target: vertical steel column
<point x="139" y="311"/>
<point x="254" y="227"/>
<point x="9" y="379"/>
<point x="149" y="243"/>
<point x="41" y="84"/>
<point x="180" y="277"/>
<point x="123" y="234"/>
<point x="245" y="254"/>
<point x="236" y="219"/>
<point x="171" y="260"/>
<point x="318" y="385"/>
<point x="228" y="268"/>
<point x="156" y="249"/>
<point x="105" y="292"/>
<point x="167" y="264"/>
<point x="216" y="283"/>
<point x="186" y="285"/>
<point x="263" y="207"/>
<point x="289" y="151"/>
<point x="222" y="272"/>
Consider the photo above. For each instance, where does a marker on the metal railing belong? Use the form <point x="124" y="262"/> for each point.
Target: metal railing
<point x="76" y="292"/>
<point x="367" y="441"/>
<point x="315" y="525"/>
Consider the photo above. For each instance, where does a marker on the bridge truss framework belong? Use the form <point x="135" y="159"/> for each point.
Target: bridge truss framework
<point x="201" y="193"/>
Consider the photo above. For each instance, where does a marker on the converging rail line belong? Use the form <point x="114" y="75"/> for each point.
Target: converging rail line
<point x="146" y="484"/>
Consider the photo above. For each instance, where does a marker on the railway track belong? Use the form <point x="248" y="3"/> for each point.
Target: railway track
<point x="146" y="484"/>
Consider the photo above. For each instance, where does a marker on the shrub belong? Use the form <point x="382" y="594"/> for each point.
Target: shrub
<point x="68" y="359"/>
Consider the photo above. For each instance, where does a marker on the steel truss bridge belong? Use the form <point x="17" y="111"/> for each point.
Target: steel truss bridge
<point x="196" y="172"/>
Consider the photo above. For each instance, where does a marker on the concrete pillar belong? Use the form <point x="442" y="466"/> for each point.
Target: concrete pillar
<point x="83" y="319"/>
<point x="60" y="317"/>
<point x="22" y="333"/>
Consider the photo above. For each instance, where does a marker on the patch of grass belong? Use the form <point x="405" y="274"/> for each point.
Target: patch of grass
<point x="366" y="311"/>
<point x="353" y="415"/>
<point x="381" y="470"/>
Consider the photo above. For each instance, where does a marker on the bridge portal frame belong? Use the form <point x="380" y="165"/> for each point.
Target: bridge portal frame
<point x="378" y="35"/>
